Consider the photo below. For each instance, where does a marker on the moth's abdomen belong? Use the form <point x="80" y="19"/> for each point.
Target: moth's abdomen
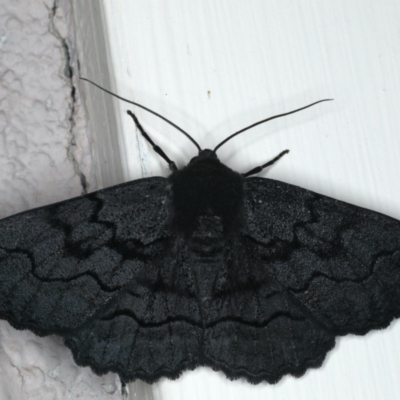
<point x="206" y="241"/>
<point x="206" y="248"/>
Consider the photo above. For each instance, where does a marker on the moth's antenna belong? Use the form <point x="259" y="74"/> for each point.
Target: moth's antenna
<point x="266" y="120"/>
<point x="147" y="109"/>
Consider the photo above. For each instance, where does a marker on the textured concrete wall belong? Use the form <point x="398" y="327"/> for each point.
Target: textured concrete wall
<point x="45" y="156"/>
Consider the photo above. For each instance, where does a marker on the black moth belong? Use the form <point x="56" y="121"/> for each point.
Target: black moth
<point x="247" y="275"/>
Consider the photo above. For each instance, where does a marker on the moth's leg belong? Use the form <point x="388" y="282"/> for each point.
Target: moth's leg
<point x="256" y="170"/>
<point x="157" y="149"/>
<point x="124" y="389"/>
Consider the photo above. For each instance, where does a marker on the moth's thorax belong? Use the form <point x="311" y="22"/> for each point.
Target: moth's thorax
<point x="206" y="187"/>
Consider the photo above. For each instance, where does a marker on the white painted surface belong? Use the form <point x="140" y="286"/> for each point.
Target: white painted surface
<point x="215" y="67"/>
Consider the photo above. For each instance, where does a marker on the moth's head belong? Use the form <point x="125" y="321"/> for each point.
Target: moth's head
<point x="205" y="154"/>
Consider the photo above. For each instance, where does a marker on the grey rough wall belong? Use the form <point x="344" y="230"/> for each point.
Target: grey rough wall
<point x="45" y="156"/>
